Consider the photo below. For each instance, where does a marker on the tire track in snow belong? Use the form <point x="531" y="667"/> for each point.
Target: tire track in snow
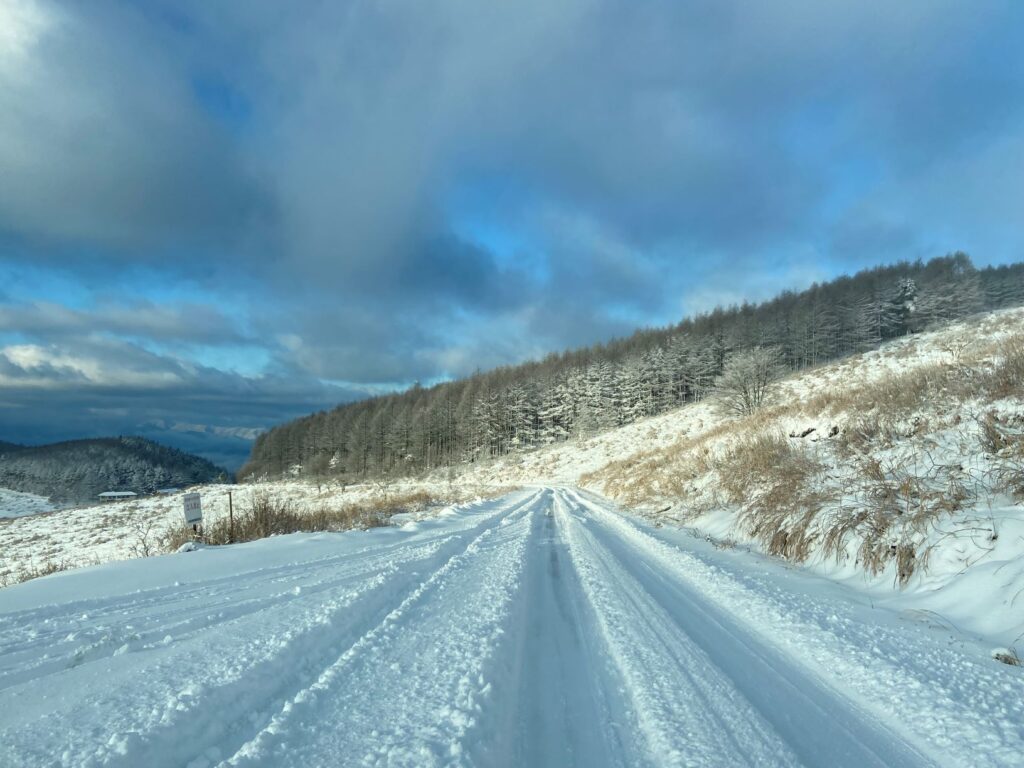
<point x="559" y="708"/>
<point x="427" y="659"/>
<point x="266" y="669"/>
<point x="682" y="711"/>
<point x="46" y="625"/>
<point x="812" y="717"/>
<point x="83" y="640"/>
<point x="198" y="614"/>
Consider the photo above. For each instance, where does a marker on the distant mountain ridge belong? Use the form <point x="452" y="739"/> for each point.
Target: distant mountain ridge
<point x="77" y="471"/>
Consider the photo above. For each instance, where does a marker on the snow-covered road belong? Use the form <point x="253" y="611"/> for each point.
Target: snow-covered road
<point x="540" y="629"/>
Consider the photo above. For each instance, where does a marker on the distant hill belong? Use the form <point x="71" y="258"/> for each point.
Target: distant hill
<point x="78" y="470"/>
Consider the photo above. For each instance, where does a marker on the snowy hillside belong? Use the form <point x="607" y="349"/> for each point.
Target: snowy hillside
<point x="513" y="410"/>
<point x="902" y="467"/>
<point x="18" y="504"/>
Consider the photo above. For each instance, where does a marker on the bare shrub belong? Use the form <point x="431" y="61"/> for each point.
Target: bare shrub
<point x="748" y="379"/>
<point x="1009" y="656"/>
<point x="266" y="516"/>
<point x="1006" y="377"/>
<point x="146" y="543"/>
<point x="774" y="482"/>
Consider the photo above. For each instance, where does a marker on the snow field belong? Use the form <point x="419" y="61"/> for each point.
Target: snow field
<point x="543" y="628"/>
<point x="120" y="530"/>
<point x="18" y="504"/>
<point x="249" y="644"/>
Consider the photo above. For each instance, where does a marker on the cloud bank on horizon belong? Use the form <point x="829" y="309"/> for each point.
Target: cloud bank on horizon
<point x="214" y="217"/>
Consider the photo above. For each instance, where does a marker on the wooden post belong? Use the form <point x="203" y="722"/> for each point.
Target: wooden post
<point x="231" y="520"/>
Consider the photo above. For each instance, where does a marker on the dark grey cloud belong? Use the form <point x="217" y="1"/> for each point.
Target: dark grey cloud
<point x="92" y="387"/>
<point x="671" y="121"/>
<point x="325" y="175"/>
<point x="102" y="140"/>
<point x="186" y="321"/>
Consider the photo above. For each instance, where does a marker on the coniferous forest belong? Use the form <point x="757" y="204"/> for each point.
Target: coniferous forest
<point x="580" y="392"/>
<point x="77" y="470"/>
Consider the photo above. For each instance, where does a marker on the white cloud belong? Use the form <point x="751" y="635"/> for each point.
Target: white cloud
<point x="22" y="24"/>
<point x="54" y="367"/>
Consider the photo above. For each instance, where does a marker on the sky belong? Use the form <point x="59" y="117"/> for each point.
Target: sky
<point x="215" y="217"/>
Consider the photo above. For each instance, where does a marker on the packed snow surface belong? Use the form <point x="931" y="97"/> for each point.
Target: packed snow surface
<point x="543" y="628"/>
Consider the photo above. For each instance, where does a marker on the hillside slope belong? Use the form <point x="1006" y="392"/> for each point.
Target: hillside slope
<point x="581" y="392"/>
<point x="76" y="471"/>
<point x="899" y="467"/>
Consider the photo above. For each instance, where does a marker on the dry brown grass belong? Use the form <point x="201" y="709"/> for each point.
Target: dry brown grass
<point x="992" y="436"/>
<point x="870" y="482"/>
<point x="1006" y="377"/>
<point x="663" y="472"/>
<point x="988" y="373"/>
<point x="894" y="395"/>
<point x="266" y="516"/>
<point x="896" y="505"/>
<point x="1004" y="444"/>
<point x="1009" y="656"/>
<point x="10" y="576"/>
<point x="773" y="480"/>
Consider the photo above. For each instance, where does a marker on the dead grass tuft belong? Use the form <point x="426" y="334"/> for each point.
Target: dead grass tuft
<point x="9" y="577"/>
<point x="1006" y="377"/>
<point x="1009" y="656"/>
<point x="267" y="516"/>
<point x="774" y="482"/>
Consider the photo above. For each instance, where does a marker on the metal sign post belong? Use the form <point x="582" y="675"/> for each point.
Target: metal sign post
<point x="193" y="512"/>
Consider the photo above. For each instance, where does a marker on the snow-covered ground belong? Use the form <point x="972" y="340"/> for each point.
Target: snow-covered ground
<point x="648" y="466"/>
<point x="543" y="628"/>
<point x="94" y="534"/>
<point x="548" y="628"/>
<point x="18" y="504"/>
<point x="969" y="558"/>
<point x="119" y="530"/>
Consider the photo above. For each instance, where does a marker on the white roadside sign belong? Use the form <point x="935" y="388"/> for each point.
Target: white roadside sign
<point x="193" y="509"/>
